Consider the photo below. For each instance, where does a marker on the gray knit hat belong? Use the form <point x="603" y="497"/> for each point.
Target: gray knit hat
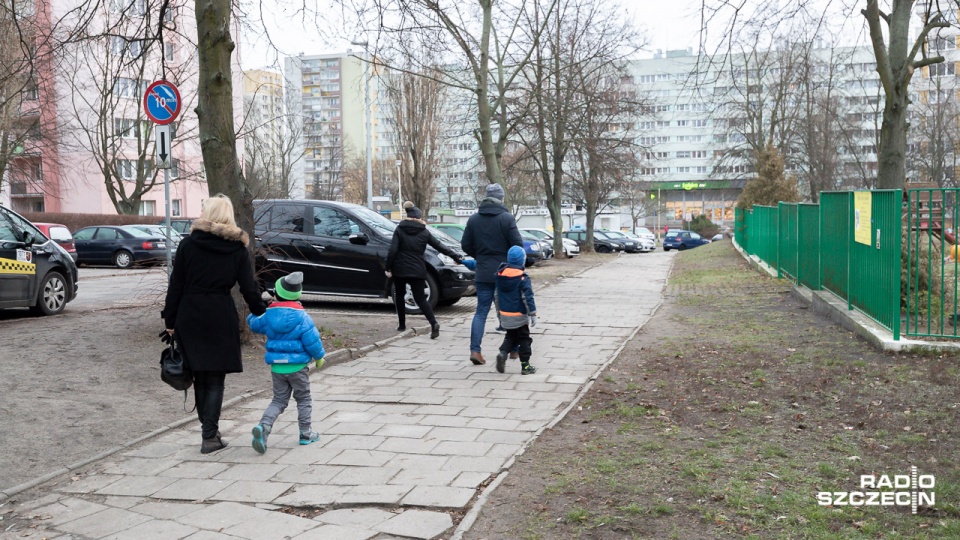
<point x="412" y="210"/>
<point x="495" y="191"/>
<point x="290" y="287"/>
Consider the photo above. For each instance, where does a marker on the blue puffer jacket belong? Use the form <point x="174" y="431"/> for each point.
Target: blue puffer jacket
<point x="292" y="338"/>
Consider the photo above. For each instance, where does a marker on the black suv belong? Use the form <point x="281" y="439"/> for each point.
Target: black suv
<point x="35" y="272"/>
<point x="601" y="243"/>
<point x="341" y="249"/>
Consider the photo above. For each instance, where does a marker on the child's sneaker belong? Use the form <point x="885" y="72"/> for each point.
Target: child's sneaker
<point x="260" y="433"/>
<point x="309" y="437"/>
<point x="501" y="361"/>
<point x="527" y="369"/>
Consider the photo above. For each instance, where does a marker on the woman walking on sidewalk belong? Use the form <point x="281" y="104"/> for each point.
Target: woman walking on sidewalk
<point x="406" y="266"/>
<point x="200" y="312"/>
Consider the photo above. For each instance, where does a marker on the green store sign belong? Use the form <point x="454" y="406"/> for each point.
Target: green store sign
<point x="690" y="186"/>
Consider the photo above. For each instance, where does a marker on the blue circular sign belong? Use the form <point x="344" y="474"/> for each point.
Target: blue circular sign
<point x="161" y="102"/>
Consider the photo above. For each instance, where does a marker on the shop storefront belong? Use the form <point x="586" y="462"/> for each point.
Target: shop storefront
<point x="683" y="201"/>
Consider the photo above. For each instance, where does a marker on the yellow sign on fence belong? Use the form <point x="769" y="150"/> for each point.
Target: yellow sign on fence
<point x="862" y="202"/>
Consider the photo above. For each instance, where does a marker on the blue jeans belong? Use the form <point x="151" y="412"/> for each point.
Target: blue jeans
<point x="485" y="292"/>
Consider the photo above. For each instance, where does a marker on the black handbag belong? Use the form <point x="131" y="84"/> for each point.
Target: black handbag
<point x="174" y="369"/>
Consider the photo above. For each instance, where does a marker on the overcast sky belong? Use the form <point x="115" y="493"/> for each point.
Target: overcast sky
<point x="669" y="24"/>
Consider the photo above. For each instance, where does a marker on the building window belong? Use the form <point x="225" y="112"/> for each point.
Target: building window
<point x="175" y="208"/>
<point x="31" y="92"/>
<point x="129" y="7"/>
<point x="169" y="52"/>
<point x="148" y="208"/>
<point x="943" y="69"/>
<point x="126" y="46"/>
<point x="174" y="168"/>
<point x="127" y="169"/>
<point x="125" y="128"/>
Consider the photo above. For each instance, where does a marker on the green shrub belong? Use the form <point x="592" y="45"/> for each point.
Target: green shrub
<point x="703" y="226"/>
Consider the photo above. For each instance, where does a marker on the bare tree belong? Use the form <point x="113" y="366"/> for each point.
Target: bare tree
<point x="583" y="41"/>
<point x="935" y="133"/>
<point x="417" y="102"/>
<point x="355" y="179"/>
<point x="107" y="118"/>
<point x="603" y="149"/>
<point x="521" y="179"/>
<point x="271" y="145"/>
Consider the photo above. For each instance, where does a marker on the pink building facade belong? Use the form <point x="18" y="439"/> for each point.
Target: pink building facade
<point x="90" y="106"/>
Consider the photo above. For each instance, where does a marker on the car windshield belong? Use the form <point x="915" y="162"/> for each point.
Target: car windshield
<point x="543" y="235"/>
<point x="615" y="234"/>
<point x="529" y="236"/>
<point x="374" y="220"/>
<point x="442" y="236"/>
<point x="137" y="233"/>
<point x="454" y="232"/>
<point x="672" y="234"/>
<point x="644" y="231"/>
<point x="600" y="234"/>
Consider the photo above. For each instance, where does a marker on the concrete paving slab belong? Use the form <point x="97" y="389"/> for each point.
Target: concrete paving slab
<point x="156" y="528"/>
<point x="164" y="510"/>
<point x="336" y="532"/>
<point x="438" y="497"/>
<point x="271" y="526"/>
<point x="312" y="496"/>
<point x="105" y="523"/>
<point x="195" y="469"/>
<point x="363" y="517"/>
<point x="136" y="486"/>
<point x="252" y="492"/>
<point x="417" y="524"/>
<point x="192" y="489"/>
<point x="250" y="471"/>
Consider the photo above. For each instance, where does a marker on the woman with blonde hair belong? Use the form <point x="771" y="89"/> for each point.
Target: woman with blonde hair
<point x="200" y="313"/>
<point x="406" y="266"/>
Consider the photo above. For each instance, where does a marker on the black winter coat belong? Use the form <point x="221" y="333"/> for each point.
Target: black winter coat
<point x="489" y="234"/>
<point x="410" y="240"/>
<point x="199" y="306"/>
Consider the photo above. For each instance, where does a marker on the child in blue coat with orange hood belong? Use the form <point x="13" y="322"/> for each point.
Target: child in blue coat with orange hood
<point x="518" y="311"/>
<point x="292" y="343"/>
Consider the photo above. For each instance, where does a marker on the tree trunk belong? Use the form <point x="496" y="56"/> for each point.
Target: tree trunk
<point x="891" y="173"/>
<point x="218" y="141"/>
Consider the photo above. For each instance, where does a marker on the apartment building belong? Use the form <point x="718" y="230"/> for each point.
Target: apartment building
<point x="265" y="139"/>
<point x="90" y="148"/>
<point x="329" y="92"/>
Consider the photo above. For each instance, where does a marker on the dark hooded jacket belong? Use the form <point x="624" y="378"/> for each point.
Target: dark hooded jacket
<point x="489" y="234"/>
<point x="199" y="307"/>
<point x="410" y="240"/>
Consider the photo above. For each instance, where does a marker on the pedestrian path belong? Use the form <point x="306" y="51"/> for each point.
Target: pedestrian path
<point x="411" y="435"/>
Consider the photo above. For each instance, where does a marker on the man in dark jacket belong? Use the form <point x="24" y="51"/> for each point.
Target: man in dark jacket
<point x="489" y="234"/>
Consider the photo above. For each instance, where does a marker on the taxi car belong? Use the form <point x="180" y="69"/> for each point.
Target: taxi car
<point x="35" y="272"/>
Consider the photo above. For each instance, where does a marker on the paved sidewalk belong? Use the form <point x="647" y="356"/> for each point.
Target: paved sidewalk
<point x="410" y="436"/>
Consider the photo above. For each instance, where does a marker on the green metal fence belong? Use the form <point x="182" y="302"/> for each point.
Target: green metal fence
<point x="787" y="252"/>
<point x="808" y="245"/>
<point x="874" y="282"/>
<point x="764" y="235"/>
<point x="835" y="238"/>
<point x="930" y="299"/>
<point x="817" y="246"/>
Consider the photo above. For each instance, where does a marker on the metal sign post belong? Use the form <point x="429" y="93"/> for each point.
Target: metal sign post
<point x="162" y="103"/>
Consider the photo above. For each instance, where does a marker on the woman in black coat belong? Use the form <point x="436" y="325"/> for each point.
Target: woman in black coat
<point x="406" y="265"/>
<point x="200" y="312"/>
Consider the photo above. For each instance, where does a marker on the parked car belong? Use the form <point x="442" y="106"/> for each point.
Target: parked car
<point x="61" y="235"/>
<point x="647" y="243"/>
<point x="681" y="240"/>
<point x="161" y="230"/>
<point x="182" y="226"/>
<point x="341" y="249"/>
<point x="447" y="240"/>
<point x="644" y="232"/>
<point x="601" y="244"/>
<point x="570" y="248"/>
<point x="121" y="246"/>
<point x="629" y="244"/>
<point x="546" y="248"/>
<point x="35" y="272"/>
<point x="717" y="237"/>
<point x="534" y="251"/>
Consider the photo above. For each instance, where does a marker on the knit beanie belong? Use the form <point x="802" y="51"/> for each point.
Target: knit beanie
<point x="290" y="287"/>
<point x="495" y="191"/>
<point x="412" y="211"/>
<point x="516" y="256"/>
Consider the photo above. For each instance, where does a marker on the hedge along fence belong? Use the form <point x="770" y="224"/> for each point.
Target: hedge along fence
<point x="75" y="222"/>
<point x="815" y="246"/>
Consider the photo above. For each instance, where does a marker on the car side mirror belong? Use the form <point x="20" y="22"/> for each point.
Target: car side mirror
<point x="28" y="238"/>
<point x="359" y="239"/>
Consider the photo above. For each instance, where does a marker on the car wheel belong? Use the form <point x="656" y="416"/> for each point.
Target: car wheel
<point x="52" y="296"/>
<point x="432" y="292"/>
<point x="665" y="248"/>
<point x="603" y="249"/>
<point x="123" y="259"/>
<point x="682" y="247"/>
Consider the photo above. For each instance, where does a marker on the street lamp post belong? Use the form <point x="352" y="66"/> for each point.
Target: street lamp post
<point x="366" y="101"/>
<point x="399" y="185"/>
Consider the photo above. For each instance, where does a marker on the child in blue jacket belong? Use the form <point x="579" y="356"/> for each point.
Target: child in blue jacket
<point x="292" y="343"/>
<point x="518" y="311"/>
